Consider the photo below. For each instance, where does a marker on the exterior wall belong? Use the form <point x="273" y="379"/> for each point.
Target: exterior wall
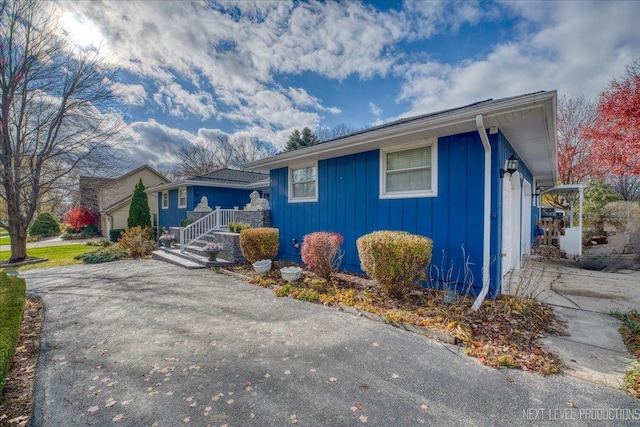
<point x="122" y="188"/>
<point x="501" y="151"/>
<point x="226" y="198"/>
<point x="349" y="203"/>
<point x="171" y="217"/>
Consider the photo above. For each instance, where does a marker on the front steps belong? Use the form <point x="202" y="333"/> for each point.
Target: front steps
<point x="192" y="258"/>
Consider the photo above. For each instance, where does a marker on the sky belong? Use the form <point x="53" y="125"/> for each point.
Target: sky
<point x="192" y="71"/>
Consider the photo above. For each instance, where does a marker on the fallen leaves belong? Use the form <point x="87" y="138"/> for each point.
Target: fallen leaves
<point x="395" y="376"/>
<point x="117" y="418"/>
<point x="333" y="379"/>
<point x="363" y="419"/>
<point x="93" y="409"/>
<point x="109" y="403"/>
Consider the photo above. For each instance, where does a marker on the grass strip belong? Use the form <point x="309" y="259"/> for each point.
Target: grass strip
<point x="12" y="297"/>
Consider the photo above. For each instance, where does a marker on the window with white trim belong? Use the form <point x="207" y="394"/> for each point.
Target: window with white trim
<point x="165" y="200"/>
<point x="182" y="197"/>
<point x="409" y="171"/>
<point x="303" y="184"/>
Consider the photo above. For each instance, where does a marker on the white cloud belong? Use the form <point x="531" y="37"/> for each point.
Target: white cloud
<point x="178" y="102"/>
<point x="130" y="94"/>
<point x="574" y="47"/>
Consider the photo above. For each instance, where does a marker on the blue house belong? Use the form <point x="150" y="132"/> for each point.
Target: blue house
<point x="468" y="178"/>
<point x="226" y="188"/>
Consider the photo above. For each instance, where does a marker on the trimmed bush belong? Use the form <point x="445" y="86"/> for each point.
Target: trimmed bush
<point x="138" y="241"/>
<point x="44" y="225"/>
<point x="259" y="243"/>
<point x="397" y="260"/>
<point x="114" y="235"/>
<point x="103" y="255"/>
<point x="321" y="253"/>
<point x="12" y="296"/>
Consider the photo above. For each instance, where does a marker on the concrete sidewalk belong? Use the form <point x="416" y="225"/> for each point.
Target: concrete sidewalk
<point x="53" y="241"/>
<point x="593" y="350"/>
<point x="147" y="343"/>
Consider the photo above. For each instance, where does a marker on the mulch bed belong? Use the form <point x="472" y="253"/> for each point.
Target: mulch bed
<point x="16" y="401"/>
<point x="505" y="332"/>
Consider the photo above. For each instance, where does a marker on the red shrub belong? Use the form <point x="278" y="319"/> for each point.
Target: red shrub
<point x="321" y="253"/>
<point x="79" y="218"/>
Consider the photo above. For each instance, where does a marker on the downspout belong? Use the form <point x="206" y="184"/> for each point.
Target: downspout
<point x="486" y="243"/>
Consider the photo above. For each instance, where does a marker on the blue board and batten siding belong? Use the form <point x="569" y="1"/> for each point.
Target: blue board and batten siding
<point x="226" y="198"/>
<point x="349" y="203"/>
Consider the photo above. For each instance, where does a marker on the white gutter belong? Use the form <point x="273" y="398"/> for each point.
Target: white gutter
<point x="486" y="243"/>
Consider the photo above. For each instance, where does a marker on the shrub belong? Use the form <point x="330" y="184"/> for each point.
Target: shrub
<point x="259" y="243"/>
<point x="138" y="241"/>
<point x="89" y="231"/>
<point x="114" y="235"/>
<point x="44" y="225"/>
<point x="237" y="227"/>
<point x="78" y="218"/>
<point x="321" y="253"/>
<point x="12" y="296"/>
<point x="395" y="259"/>
<point x="185" y="222"/>
<point x="103" y="255"/>
<point x="139" y="212"/>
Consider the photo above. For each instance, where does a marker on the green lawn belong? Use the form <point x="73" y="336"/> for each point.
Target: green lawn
<point x="4" y="238"/>
<point x="56" y="255"/>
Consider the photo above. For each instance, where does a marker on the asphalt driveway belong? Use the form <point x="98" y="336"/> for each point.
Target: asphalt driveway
<point x="146" y="343"/>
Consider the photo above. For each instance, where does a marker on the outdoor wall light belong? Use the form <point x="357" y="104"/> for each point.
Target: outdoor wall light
<point x="512" y="165"/>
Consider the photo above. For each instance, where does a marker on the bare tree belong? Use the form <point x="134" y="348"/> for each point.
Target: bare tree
<point x="338" y="131"/>
<point x="627" y="187"/>
<point x="53" y="105"/>
<point x="226" y="151"/>
<point x="197" y="159"/>
<point x="247" y="149"/>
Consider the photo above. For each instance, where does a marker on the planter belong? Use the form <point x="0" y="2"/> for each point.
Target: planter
<point x="291" y="274"/>
<point x="262" y="266"/>
<point x="212" y="255"/>
<point x="167" y="244"/>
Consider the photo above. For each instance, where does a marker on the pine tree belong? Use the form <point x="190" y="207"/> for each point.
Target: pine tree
<point x="139" y="212"/>
<point x="298" y="140"/>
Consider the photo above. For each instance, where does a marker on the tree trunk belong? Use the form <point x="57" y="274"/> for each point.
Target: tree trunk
<point x="18" y="236"/>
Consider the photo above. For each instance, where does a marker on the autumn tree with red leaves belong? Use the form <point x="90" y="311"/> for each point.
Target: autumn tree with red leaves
<point x="79" y="218"/>
<point x="616" y="131"/>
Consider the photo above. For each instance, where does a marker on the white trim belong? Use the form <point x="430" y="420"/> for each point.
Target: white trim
<point x="290" y="183"/>
<point x="163" y="206"/>
<point x="433" y="192"/>
<point x="180" y="205"/>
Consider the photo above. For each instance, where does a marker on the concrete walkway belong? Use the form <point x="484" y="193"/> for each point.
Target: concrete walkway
<point x="146" y="343"/>
<point x="593" y="349"/>
<point x="53" y="241"/>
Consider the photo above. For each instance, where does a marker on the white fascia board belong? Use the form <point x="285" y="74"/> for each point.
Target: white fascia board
<point x="353" y="144"/>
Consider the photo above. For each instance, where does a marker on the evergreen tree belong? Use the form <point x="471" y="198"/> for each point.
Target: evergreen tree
<point x="300" y="140"/>
<point x="139" y="212"/>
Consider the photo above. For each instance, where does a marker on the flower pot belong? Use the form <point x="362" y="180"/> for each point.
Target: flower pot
<point x="167" y="244"/>
<point x="262" y="266"/>
<point x="213" y="255"/>
<point x="291" y="274"/>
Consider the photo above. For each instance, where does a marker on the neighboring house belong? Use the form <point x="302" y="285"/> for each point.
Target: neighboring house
<point x="437" y="175"/>
<point x="226" y="188"/>
<point x="111" y="197"/>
